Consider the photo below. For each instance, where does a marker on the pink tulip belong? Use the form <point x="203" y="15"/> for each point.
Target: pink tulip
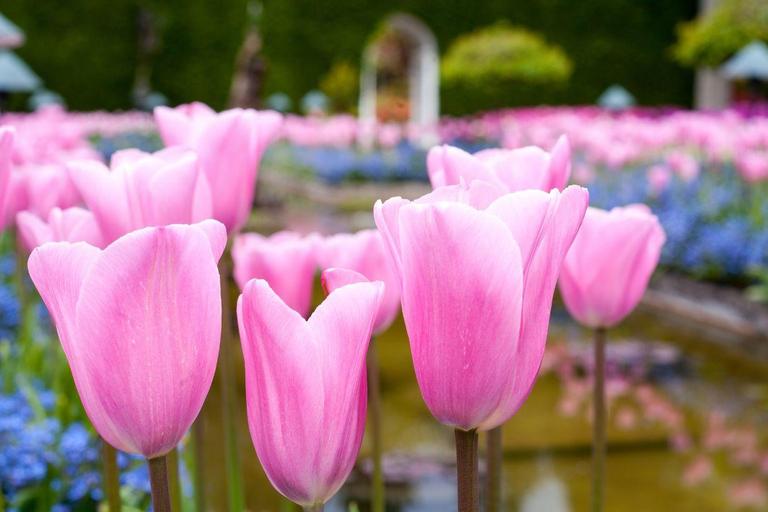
<point x="38" y="189"/>
<point x="230" y="145"/>
<point x="306" y="385"/>
<point x="610" y="263"/>
<point x="659" y="178"/>
<point x="70" y="225"/>
<point x="142" y="190"/>
<point x="364" y="252"/>
<point x="509" y="169"/>
<point x="140" y="323"/>
<point x="477" y="270"/>
<point x="684" y="164"/>
<point x="7" y="137"/>
<point x="285" y="260"/>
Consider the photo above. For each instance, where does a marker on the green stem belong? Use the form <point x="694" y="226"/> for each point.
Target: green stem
<point x="599" y="425"/>
<point x="287" y="505"/>
<point x="226" y="369"/>
<point x="158" y="481"/>
<point x="374" y="417"/>
<point x="467" y="480"/>
<point x="111" y="477"/>
<point x="493" y="456"/>
<point x="198" y="439"/>
<point x="173" y="479"/>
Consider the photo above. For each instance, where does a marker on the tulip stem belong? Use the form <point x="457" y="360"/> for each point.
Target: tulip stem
<point x="111" y="477"/>
<point x="599" y="424"/>
<point x="374" y="412"/>
<point x="198" y="438"/>
<point x="158" y="481"/>
<point x="227" y="374"/>
<point x="466" y="471"/>
<point x="493" y="457"/>
<point x="173" y="479"/>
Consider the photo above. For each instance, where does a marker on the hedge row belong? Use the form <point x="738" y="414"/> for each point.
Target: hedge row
<point x="86" y="49"/>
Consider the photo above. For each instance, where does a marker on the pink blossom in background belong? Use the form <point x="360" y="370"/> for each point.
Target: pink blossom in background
<point x="71" y="225"/>
<point x="659" y="178"/>
<point x="38" y="189"/>
<point x="306" y="388"/>
<point x="698" y="471"/>
<point x="364" y="252"/>
<point x="140" y="324"/>
<point x="285" y="260"/>
<point x="229" y="145"/>
<point x="608" y="267"/>
<point x="683" y="164"/>
<point x="142" y="189"/>
<point x="510" y="169"/>
<point x="477" y="269"/>
<point x="752" y="166"/>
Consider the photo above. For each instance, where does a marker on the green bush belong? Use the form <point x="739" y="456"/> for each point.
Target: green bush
<point x="341" y="84"/>
<point x="713" y="37"/>
<point x="503" y="55"/>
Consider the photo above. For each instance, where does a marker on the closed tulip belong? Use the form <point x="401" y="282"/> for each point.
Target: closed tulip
<point x="70" y="225"/>
<point x="141" y="189"/>
<point x="140" y="323"/>
<point x="306" y="385"/>
<point x="477" y="270"/>
<point x="286" y="260"/>
<point x="230" y="145"/>
<point x="610" y="263"/>
<point x="511" y="170"/>
<point x="364" y="252"/>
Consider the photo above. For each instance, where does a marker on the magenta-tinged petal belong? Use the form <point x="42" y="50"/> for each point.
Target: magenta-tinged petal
<point x="363" y="252"/>
<point x="172" y="190"/>
<point x="148" y="326"/>
<point x="386" y="216"/>
<point x="462" y="298"/>
<point x="342" y="326"/>
<point x="447" y="165"/>
<point x="286" y="260"/>
<point x="524" y="169"/>
<point x="334" y="278"/>
<point x="32" y="231"/>
<point x="284" y="390"/>
<point x="104" y="193"/>
<point x="217" y="236"/>
<point x="560" y="164"/>
<point x="477" y="194"/>
<point x="58" y="271"/>
<point x="539" y="287"/>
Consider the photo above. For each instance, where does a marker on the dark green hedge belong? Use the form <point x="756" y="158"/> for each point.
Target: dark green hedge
<point x="85" y="49"/>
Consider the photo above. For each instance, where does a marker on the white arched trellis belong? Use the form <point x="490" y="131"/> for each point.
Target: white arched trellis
<point x="423" y="75"/>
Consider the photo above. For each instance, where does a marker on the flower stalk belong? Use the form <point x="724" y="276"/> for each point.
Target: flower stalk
<point x="111" y="477"/>
<point x="374" y="415"/>
<point x="158" y="481"/>
<point x="599" y="424"/>
<point x="468" y="483"/>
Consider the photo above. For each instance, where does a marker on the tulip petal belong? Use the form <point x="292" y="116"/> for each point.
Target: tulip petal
<point x="342" y="327"/>
<point x="334" y="278"/>
<point x="454" y="255"/>
<point x="149" y="325"/>
<point x="284" y="390"/>
<point x="58" y="271"/>
<point x="103" y="192"/>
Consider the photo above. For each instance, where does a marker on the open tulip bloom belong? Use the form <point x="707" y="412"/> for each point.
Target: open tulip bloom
<point x="306" y="384"/>
<point x="285" y="260"/>
<point x="140" y="323"/>
<point x="230" y="145"/>
<point x="512" y="170"/>
<point x="477" y="270"/>
<point x="141" y="189"/>
<point x="71" y="225"/>
<point x="604" y="276"/>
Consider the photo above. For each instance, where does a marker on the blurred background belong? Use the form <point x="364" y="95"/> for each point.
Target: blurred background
<point x="664" y="102"/>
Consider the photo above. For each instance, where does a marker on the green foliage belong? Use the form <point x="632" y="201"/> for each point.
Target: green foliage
<point x="86" y="49"/>
<point x="503" y="55"/>
<point x="713" y="37"/>
<point x="341" y="85"/>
